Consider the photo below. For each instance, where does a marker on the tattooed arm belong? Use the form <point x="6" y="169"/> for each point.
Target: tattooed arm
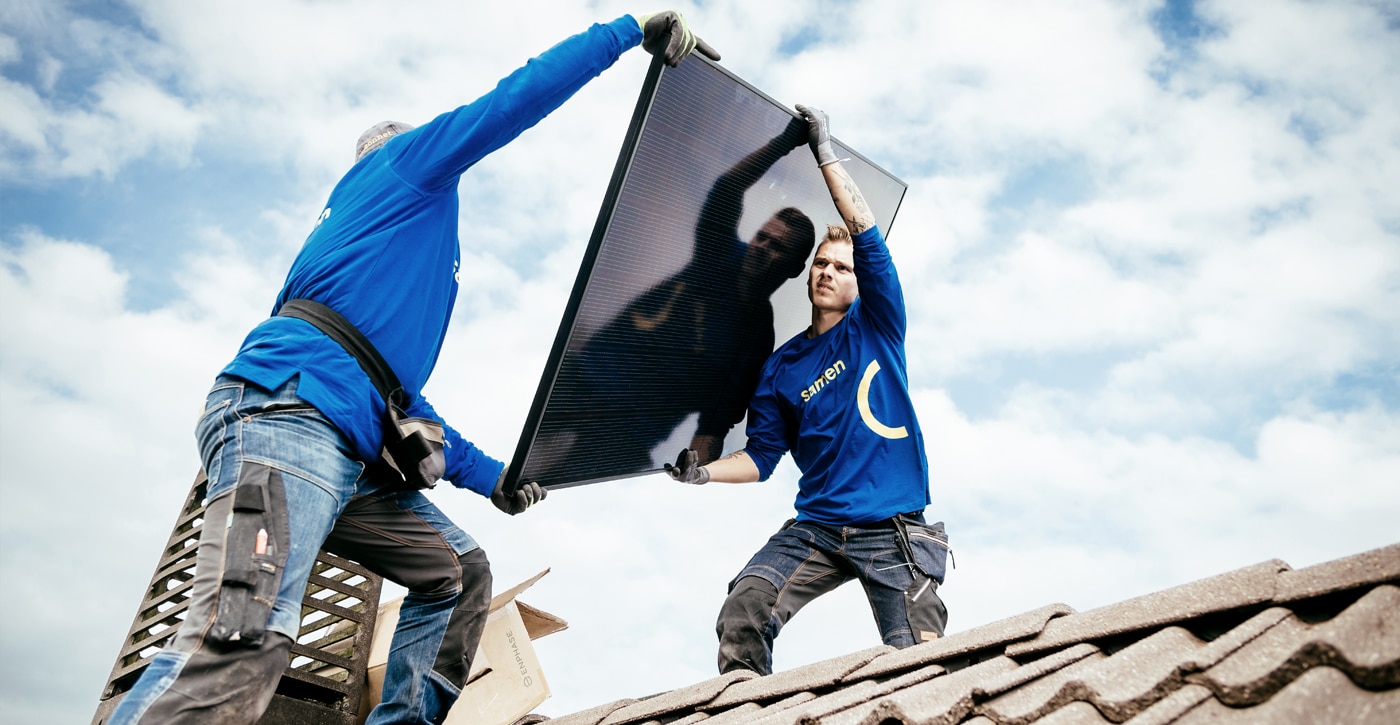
<point x="849" y="202"/>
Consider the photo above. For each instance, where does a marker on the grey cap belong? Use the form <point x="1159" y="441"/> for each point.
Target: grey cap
<point x="378" y="134"/>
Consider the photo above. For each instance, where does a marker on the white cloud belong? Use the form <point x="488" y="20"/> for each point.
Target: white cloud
<point x="9" y="50"/>
<point x="24" y="129"/>
<point x="1041" y="296"/>
<point x="1209" y="242"/>
<point x="1333" y="49"/>
<point x="1320" y="486"/>
<point x="96" y="451"/>
<point x="132" y="118"/>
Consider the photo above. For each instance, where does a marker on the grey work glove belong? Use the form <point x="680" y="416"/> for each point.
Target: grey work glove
<point x="818" y="134"/>
<point x="526" y="495"/>
<point x="688" y="468"/>
<point x="666" y="36"/>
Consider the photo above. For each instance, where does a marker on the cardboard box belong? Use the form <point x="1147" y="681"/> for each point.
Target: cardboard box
<point x="505" y="682"/>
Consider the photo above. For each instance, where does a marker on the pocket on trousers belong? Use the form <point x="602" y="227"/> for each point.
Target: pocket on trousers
<point x="928" y="616"/>
<point x="255" y="553"/>
<point x="929" y="546"/>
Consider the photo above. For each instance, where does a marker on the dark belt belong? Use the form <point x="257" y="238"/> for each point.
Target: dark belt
<point x="889" y="523"/>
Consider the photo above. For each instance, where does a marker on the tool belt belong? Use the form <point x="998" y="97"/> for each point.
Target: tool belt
<point x="412" y="457"/>
<point x="924" y="545"/>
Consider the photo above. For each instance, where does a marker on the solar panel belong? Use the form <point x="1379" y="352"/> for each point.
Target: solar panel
<point x="695" y="272"/>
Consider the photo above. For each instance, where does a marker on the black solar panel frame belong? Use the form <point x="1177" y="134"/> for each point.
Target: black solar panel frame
<point x="657" y="74"/>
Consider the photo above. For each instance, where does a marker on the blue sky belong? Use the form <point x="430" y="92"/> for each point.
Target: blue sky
<point x="1151" y="253"/>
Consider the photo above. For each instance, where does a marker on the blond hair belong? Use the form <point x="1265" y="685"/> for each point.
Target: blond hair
<point x="837" y="233"/>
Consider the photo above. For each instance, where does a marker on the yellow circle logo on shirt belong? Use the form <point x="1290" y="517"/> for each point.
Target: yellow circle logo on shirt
<point x="863" y="402"/>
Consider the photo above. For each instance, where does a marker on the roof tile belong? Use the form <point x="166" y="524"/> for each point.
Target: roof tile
<point x="1320" y="695"/>
<point x="1075" y="713"/>
<point x="1363" y="641"/>
<point x="1371" y="567"/>
<point x="1260" y="644"/>
<point x="1366" y="638"/>
<point x="1231" y="641"/>
<point x="1041" y="696"/>
<point x="813" y="710"/>
<point x="748" y="712"/>
<point x="1124" y="684"/>
<point x="848" y="697"/>
<point x="686" y="698"/>
<point x="988" y="636"/>
<point x="1232" y="590"/>
<point x="809" y="677"/>
<point x="1128" y="682"/>
<point x="1170" y="708"/>
<point x="944" y="699"/>
<point x="591" y="716"/>
<point x="737" y="715"/>
<point x="1034" y="670"/>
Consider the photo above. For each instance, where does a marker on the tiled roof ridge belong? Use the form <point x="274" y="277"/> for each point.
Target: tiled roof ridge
<point x="1262" y="638"/>
<point x="1241" y="591"/>
<point x="993" y="637"/>
<point x="1362" y="642"/>
<point x="1369" y="662"/>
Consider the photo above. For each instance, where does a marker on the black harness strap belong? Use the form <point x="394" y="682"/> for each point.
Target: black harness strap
<point x="353" y="341"/>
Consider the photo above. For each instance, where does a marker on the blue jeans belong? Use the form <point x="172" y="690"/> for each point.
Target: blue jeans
<point x="900" y="563"/>
<point x="284" y="483"/>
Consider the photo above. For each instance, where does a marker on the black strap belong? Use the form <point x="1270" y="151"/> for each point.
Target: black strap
<point x="349" y="337"/>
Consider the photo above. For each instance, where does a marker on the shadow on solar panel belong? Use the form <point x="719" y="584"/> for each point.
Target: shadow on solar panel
<point x="695" y="272"/>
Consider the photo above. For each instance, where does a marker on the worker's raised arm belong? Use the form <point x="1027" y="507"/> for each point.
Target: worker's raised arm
<point x="844" y="192"/>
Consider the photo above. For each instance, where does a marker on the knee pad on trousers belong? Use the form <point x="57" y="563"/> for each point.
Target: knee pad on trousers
<point x="928" y="616"/>
<point x="752" y="596"/>
<point x="747" y="626"/>
<point x="232" y="685"/>
<point x="468" y="619"/>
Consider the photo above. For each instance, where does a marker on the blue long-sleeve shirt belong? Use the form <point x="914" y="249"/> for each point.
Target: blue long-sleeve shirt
<point x="840" y="403"/>
<point x="385" y="254"/>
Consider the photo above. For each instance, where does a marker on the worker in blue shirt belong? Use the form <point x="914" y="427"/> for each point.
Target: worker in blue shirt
<point x="293" y="426"/>
<point x="837" y="397"/>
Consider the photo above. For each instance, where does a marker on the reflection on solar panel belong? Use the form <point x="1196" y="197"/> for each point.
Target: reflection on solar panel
<point x="696" y="270"/>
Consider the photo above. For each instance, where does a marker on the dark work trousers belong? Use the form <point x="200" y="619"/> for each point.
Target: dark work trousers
<point x="899" y="562"/>
<point x="281" y="488"/>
